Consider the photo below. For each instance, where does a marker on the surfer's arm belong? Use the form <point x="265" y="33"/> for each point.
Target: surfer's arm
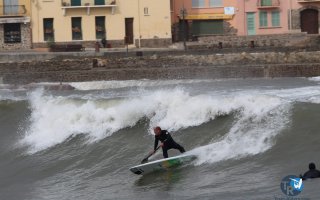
<point x="156" y="140"/>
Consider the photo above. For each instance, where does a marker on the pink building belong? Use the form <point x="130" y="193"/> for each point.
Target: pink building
<point x="196" y="18"/>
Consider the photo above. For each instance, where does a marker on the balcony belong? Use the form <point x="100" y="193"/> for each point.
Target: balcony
<point x="13" y="11"/>
<point x="307" y="1"/>
<point x="88" y="5"/>
<point x="266" y="4"/>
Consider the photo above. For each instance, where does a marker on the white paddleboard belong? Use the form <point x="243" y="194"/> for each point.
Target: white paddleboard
<point x="161" y="164"/>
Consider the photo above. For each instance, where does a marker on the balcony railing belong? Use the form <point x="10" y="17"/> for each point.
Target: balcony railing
<point x="307" y="1"/>
<point x="268" y="4"/>
<point x="87" y="4"/>
<point x="13" y="10"/>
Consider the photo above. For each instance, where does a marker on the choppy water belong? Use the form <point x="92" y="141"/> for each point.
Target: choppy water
<point x="248" y="134"/>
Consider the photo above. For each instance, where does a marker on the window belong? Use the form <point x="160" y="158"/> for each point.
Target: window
<point x="100" y="27"/>
<point x="146" y="10"/>
<point x="99" y="2"/>
<point x="275" y="18"/>
<point x="76" y="28"/>
<point x="75" y="2"/>
<point x="48" y="29"/>
<point x="198" y="3"/>
<point x="263" y="15"/>
<point x="12" y="33"/>
<point x="266" y="2"/>
<point x="216" y="3"/>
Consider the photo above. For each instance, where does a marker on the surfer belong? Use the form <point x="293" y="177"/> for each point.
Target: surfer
<point x="166" y="141"/>
<point x="312" y="173"/>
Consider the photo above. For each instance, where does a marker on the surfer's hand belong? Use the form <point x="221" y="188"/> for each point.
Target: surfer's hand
<point x="161" y="145"/>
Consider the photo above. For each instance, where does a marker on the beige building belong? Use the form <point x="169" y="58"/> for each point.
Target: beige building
<point x="142" y="23"/>
<point x="15" y="32"/>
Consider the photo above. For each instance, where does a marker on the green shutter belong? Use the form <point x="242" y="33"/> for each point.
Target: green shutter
<point x="263" y="19"/>
<point x="275" y="18"/>
<point x="266" y="2"/>
<point x="251" y="29"/>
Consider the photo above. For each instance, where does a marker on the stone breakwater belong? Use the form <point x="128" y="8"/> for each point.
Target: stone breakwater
<point x="163" y="66"/>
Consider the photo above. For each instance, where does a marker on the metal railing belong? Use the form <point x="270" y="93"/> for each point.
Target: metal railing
<point x="268" y="3"/>
<point x="70" y="3"/>
<point x="13" y="10"/>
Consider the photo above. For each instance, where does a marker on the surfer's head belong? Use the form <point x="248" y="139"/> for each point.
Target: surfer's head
<point x="157" y="130"/>
<point x="312" y="166"/>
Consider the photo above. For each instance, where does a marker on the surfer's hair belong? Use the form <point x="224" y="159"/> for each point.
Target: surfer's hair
<point x="157" y="128"/>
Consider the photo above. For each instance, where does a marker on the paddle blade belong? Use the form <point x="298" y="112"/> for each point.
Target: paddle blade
<point x="145" y="160"/>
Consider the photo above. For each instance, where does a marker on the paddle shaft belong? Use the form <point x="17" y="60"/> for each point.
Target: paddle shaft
<point x="147" y="157"/>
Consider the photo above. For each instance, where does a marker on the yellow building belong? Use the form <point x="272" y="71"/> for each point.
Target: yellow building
<point x="143" y="23"/>
<point x="15" y="32"/>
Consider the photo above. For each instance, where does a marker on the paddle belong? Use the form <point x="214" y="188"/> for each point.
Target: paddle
<point x="148" y="156"/>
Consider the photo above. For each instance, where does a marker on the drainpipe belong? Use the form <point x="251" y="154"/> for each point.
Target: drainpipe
<point x="244" y="17"/>
<point x="290" y="17"/>
<point x="139" y="39"/>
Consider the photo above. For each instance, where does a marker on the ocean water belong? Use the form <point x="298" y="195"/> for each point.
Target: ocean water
<point x="247" y="134"/>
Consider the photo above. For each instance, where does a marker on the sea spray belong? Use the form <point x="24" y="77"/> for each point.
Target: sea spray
<point x="261" y="119"/>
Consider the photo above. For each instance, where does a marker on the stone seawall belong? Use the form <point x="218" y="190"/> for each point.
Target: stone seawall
<point x="165" y="66"/>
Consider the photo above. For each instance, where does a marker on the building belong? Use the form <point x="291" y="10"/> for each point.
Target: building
<point x="263" y="17"/>
<point x="304" y="16"/>
<point x="140" y="23"/>
<point x="15" y="32"/>
<point x="195" y="18"/>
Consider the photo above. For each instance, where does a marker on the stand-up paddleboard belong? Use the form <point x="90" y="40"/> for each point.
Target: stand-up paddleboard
<point x="161" y="164"/>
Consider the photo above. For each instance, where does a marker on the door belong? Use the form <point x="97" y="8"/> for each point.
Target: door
<point x="309" y="21"/>
<point x="11" y="7"/>
<point x="251" y="28"/>
<point x="129" y="30"/>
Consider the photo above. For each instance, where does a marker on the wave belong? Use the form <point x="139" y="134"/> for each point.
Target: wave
<point x="99" y="85"/>
<point x="54" y="119"/>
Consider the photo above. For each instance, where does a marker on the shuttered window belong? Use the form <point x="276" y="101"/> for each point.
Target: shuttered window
<point x="263" y="19"/>
<point x="216" y="3"/>
<point x="266" y="2"/>
<point x="275" y="18"/>
<point x="198" y="3"/>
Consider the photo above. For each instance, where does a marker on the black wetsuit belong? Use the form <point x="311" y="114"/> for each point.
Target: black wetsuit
<point x="312" y="173"/>
<point x="168" y="143"/>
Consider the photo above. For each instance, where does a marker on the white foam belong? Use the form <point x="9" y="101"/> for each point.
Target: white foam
<point x="99" y="85"/>
<point x="317" y="79"/>
<point x="253" y="133"/>
<point x="55" y="119"/>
